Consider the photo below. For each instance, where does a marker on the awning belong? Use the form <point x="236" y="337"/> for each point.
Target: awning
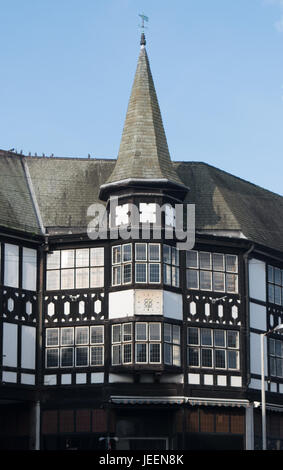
<point x="199" y="401"/>
<point x="134" y="400"/>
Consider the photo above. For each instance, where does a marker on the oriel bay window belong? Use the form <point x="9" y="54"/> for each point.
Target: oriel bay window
<point x="140" y="343"/>
<point x="213" y="348"/>
<point x="216" y="272"/>
<point x="75" y="269"/>
<point x="80" y="346"/>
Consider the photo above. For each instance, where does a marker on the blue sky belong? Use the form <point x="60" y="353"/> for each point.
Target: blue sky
<point x="67" y="68"/>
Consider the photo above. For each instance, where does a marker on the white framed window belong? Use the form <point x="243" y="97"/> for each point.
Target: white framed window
<point x="122" y="264"/>
<point x="81" y="268"/>
<point x="213" y="348"/>
<point x="172" y="344"/>
<point x="215" y="272"/>
<point x="147" y="266"/>
<point x="171" y="274"/>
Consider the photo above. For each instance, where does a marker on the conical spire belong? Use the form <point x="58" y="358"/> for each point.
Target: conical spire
<point x="143" y="153"/>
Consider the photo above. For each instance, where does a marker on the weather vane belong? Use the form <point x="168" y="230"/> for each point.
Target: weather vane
<point x="144" y="18"/>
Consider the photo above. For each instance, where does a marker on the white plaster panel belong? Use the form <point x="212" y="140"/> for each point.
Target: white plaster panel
<point x="255" y="353"/>
<point x="10" y="347"/>
<point x="28" y="379"/>
<point x="66" y="379"/>
<point x="222" y="380"/>
<point x="97" y="377"/>
<point x="194" y="379"/>
<point x="28" y="347"/>
<point x="113" y="378"/>
<point x="9" y="377"/>
<point x="172" y="378"/>
<point x="29" y="269"/>
<point x="121" y="304"/>
<point x="273" y="387"/>
<point x="258" y="316"/>
<point x="257" y="279"/>
<point x="148" y="302"/>
<point x="172" y="305"/>
<point x="50" y="379"/>
<point x="208" y="379"/>
<point x="256" y="384"/>
<point x="280" y="388"/>
<point x="235" y="381"/>
<point x="81" y="378"/>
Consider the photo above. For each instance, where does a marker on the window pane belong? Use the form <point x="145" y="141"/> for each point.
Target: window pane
<point x="232" y="339"/>
<point x="96" y="334"/>
<point x="233" y="359"/>
<point x="204" y="260"/>
<point x="82" y="257"/>
<point x="192" y="279"/>
<point x="176" y="334"/>
<point x="176" y="355"/>
<point x="52" y="337"/>
<point x="219" y="358"/>
<point x="272" y="346"/>
<point x="96" y="356"/>
<point x="231" y="283"/>
<point x="67" y="336"/>
<point x="167" y="254"/>
<point x="53" y="260"/>
<point x="82" y="278"/>
<point x="192" y="259"/>
<point x="116" y="254"/>
<point x="206" y="336"/>
<point x="127" y="353"/>
<point x="277" y="295"/>
<point x="175" y="276"/>
<point x="116" y="333"/>
<point x="219" y="338"/>
<point x="154" y="273"/>
<point x="175" y="256"/>
<point x="270" y="274"/>
<point x="97" y="256"/>
<point x="52" y="357"/>
<point x="127" y="273"/>
<point x="82" y="335"/>
<point x="154" y="332"/>
<point x="116" y="354"/>
<point x="67" y="258"/>
<point x="271" y="293"/>
<point x="193" y="336"/>
<point x="279" y="367"/>
<point x="82" y="356"/>
<point x="141" y="331"/>
<point x="154" y="252"/>
<point x="11" y="265"/>
<point x="168" y="332"/>
<point x="168" y="353"/>
<point x="127" y="332"/>
<point x="206" y="357"/>
<point x="231" y="263"/>
<point x="167" y="274"/>
<point x="218" y="282"/>
<point x="141" y="352"/>
<point x="97" y="277"/>
<point x="29" y="269"/>
<point x="127" y="253"/>
<point x="154" y="353"/>
<point x="205" y="280"/>
<point x="278" y="348"/>
<point x="277" y="276"/>
<point x="53" y="280"/>
<point x="141" y="272"/>
<point x="116" y="275"/>
<point x="141" y="252"/>
<point x="67" y="279"/>
<point x="272" y="366"/>
<point x="193" y="357"/>
<point x="218" y="262"/>
<point x="67" y="357"/>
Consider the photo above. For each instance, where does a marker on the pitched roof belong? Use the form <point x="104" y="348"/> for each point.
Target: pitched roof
<point x="64" y="188"/>
<point x="143" y="152"/>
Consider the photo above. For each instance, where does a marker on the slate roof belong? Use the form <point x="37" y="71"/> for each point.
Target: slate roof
<point x="64" y="188"/>
<point x="143" y="152"/>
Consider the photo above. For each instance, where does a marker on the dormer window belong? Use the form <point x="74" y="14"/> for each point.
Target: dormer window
<point x="147" y="213"/>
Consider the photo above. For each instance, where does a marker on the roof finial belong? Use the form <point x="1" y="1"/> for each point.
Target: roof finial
<point x="142" y="26"/>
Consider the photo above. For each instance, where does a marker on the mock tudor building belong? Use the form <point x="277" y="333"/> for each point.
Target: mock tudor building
<point x="135" y="343"/>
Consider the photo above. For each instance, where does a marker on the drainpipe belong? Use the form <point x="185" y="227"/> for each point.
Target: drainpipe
<point x="247" y="308"/>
